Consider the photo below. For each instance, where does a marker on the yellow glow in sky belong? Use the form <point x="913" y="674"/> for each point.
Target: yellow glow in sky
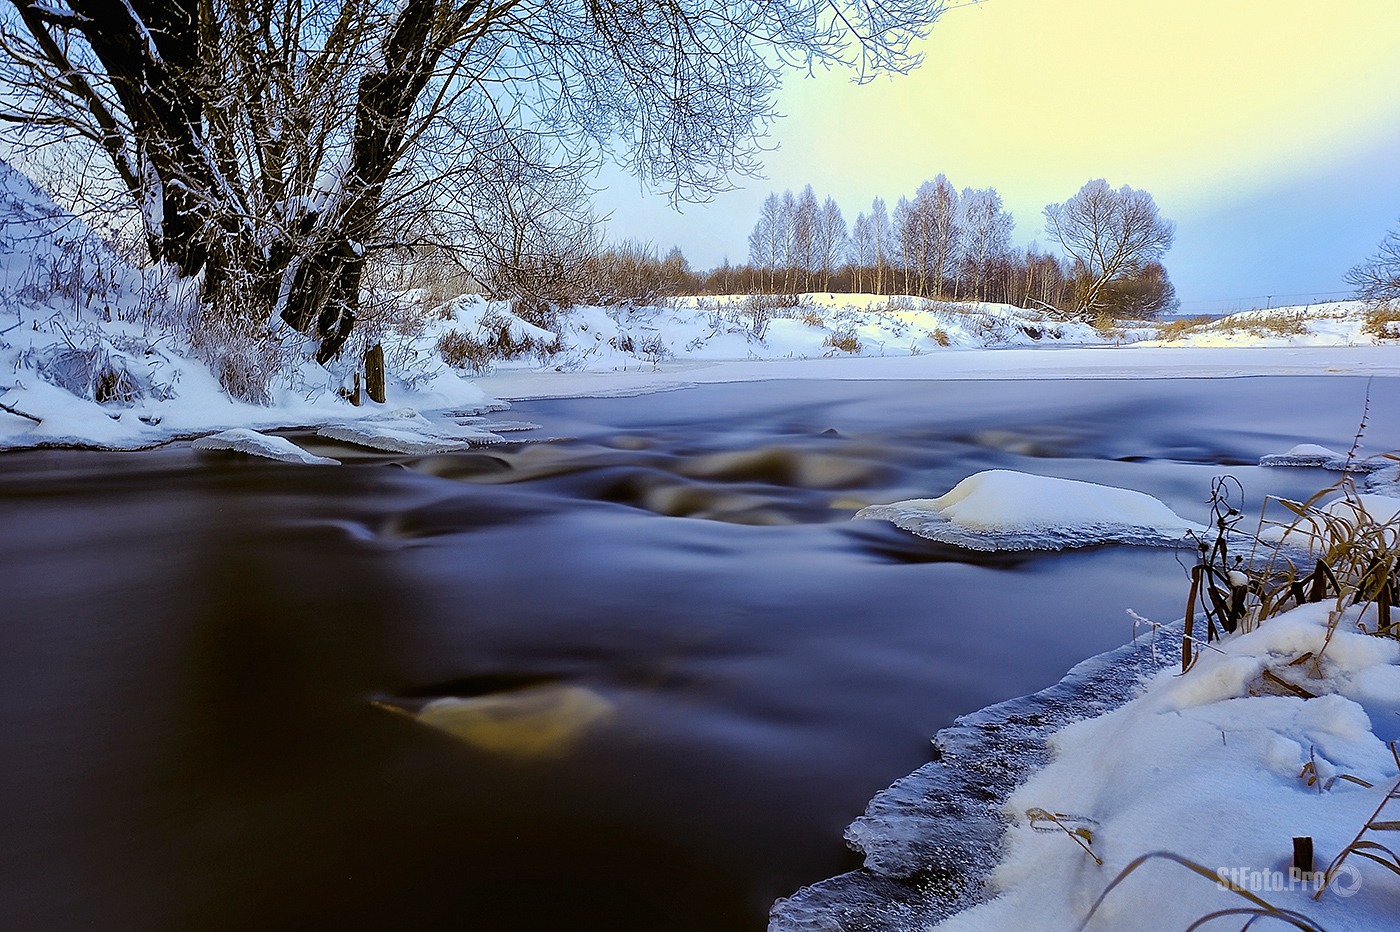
<point x="1179" y="97"/>
<point x="1269" y="130"/>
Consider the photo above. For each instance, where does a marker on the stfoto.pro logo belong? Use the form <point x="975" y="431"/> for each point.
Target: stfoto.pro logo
<point x="1346" y="880"/>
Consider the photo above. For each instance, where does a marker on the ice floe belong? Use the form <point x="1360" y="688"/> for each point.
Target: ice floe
<point x="406" y="431"/>
<point x="243" y="440"/>
<point x="1314" y="455"/>
<point x="1002" y="509"/>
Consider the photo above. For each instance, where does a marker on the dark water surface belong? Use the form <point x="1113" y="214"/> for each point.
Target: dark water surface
<point x="192" y="646"/>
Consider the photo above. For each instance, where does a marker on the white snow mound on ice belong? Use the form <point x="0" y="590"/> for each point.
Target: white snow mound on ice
<point x="243" y="440"/>
<point x="1311" y="454"/>
<point x="1001" y="509"/>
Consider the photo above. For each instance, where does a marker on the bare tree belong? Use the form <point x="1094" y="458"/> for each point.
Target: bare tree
<point x="791" y="250"/>
<point x="880" y="233"/>
<point x="1378" y="278"/>
<point x="928" y="234"/>
<point x="269" y="142"/>
<point x="1107" y="233"/>
<point x="806" y="218"/>
<point x="904" y="225"/>
<point x="986" y="237"/>
<point x="831" y="240"/>
<point x="938" y="204"/>
<point x="862" y="249"/>
<point x="767" y="242"/>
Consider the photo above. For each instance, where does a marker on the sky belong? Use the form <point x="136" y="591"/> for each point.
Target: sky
<point x="1267" y="130"/>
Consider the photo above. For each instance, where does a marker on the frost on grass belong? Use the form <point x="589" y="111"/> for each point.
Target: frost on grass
<point x="1001" y="509"/>
<point x="243" y="440"/>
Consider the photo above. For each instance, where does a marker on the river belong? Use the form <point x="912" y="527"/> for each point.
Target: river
<point x="202" y="653"/>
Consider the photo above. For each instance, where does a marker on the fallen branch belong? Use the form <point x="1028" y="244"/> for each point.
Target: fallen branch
<point x="17" y="412"/>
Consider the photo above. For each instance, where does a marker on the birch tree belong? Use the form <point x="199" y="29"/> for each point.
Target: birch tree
<point x="862" y="250"/>
<point x="986" y="237"/>
<point x="832" y="236"/>
<point x="880" y="235"/>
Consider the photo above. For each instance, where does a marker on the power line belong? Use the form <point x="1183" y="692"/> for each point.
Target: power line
<point x="1269" y="297"/>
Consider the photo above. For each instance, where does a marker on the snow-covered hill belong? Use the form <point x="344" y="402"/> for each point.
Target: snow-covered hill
<point x="807" y="326"/>
<point x="1338" y="323"/>
<point x="94" y="352"/>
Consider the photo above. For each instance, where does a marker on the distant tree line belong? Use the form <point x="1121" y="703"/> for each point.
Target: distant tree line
<point x="942" y="243"/>
<point x="939" y="244"/>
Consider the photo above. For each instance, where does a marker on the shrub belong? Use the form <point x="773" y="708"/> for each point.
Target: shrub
<point x="761" y="308"/>
<point x="1279" y="323"/>
<point x="495" y="339"/>
<point x="1182" y="327"/>
<point x="461" y="351"/>
<point x="1381" y="322"/>
<point x="653" y="349"/>
<point x="940" y="336"/>
<point x="846" y="341"/>
<point x="245" y="356"/>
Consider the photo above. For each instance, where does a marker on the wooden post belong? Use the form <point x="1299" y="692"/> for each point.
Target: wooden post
<point x="1302" y="855"/>
<point x="374" y="373"/>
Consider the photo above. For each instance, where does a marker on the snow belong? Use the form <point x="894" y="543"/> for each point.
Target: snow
<point x="414" y="440"/>
<point x="92" y="353"/>
<point x="242" y="440"/>
<point x="1001" y="509"/>
<point x="1338" y="323"/>
<point x="1210" y="766"/>
<point x="1312" y="454"/>
<point x="942" y="821"/>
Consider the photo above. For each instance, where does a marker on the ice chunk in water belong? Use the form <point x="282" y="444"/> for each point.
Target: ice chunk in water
<point x="1311" y="454"/>
<point x="242" y="440"/>
<point x="1002" y="509"/>
<point x="409" y="438"/>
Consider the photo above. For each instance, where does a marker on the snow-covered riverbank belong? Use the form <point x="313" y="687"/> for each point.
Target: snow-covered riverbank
<point x="1123" y="798"/>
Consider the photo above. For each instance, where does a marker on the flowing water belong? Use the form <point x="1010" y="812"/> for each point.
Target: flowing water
<point x="686" y="669"/>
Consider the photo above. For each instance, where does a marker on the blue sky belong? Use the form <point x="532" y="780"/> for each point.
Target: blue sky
<point x="1268" y="130"/>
